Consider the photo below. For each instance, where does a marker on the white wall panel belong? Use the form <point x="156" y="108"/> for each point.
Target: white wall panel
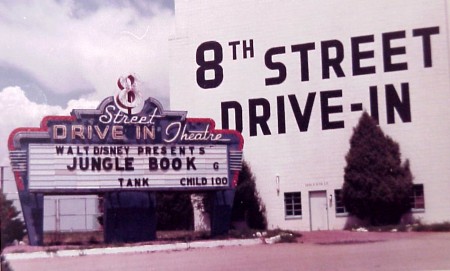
<point x="313" y="159"/>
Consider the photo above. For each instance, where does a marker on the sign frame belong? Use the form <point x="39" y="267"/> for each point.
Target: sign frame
<point x="170" y="128"/>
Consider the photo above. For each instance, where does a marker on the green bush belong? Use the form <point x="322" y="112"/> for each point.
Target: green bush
<point x="12" y="228"/>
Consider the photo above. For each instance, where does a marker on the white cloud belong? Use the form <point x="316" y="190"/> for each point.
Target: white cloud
<point x="18" y="111"/>
<point x="72" y="49"/>
<point x="68" y="53"/>
<point x="81" y="104"/>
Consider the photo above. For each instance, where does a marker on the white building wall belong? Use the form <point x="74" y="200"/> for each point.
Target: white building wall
<point x="314" y="159"/>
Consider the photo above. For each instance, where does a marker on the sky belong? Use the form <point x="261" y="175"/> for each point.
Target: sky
<point x="56" y="55"/>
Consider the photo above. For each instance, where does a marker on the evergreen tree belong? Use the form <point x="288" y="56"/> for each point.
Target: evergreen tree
<point x="247" y="205"/>
<point x="11" y="227"/>
<point x="377" y="187"/>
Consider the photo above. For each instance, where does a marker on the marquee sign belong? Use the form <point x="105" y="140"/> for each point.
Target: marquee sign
<point x="125" y="144"/>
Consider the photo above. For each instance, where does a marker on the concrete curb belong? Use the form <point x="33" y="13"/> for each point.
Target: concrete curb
<point x="131" y="249"/>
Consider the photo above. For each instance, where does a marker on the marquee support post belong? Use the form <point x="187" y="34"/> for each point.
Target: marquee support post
<point x="33" y="214"/>
<point x="221" y="211"/>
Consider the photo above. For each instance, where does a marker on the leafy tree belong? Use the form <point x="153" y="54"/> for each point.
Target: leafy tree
<point x="12" y="228"/>
<point x="247" y="205"/>
<point x="377" y="186"/>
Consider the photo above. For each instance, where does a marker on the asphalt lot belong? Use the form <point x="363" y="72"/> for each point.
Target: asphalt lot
<point x="315" y="251"/>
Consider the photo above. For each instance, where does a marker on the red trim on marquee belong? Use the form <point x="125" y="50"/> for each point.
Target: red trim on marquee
<point x="18" y="130"/>
<point x="235" y="179"/>
<point x="212" y="130"/>
<point x="19" y="181"/>
<point x="43" y="128"/>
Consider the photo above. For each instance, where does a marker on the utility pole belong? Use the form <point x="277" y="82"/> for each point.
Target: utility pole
<point x="2" y="177"/>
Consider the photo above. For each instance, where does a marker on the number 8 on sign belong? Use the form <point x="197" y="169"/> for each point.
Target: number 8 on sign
<point x="209" y="65"/>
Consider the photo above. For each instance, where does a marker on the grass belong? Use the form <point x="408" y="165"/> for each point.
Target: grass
<point x="286" y="236"/>
<point x="182" y="236"/>
<point x="73" y="238"/>
<point x="435" y="227"/>
<point x="94" y="239"/>
<point x="418" y="227"/>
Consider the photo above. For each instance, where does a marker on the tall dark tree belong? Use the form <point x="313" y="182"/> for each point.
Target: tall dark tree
<point x="247" y="205"/>
<point x="11" y="227"/>
<point x="377" y="186"/>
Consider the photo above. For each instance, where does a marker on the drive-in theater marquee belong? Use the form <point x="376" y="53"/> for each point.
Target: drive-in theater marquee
<point x="125" y="144"/>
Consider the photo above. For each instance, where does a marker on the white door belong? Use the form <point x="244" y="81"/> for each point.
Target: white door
<point x="318" y="210"/>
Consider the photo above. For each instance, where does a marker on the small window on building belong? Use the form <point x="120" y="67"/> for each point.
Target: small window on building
<point x="339" y="203"/>
<point x="417" y="198"/>
<point x="293" y="205"/>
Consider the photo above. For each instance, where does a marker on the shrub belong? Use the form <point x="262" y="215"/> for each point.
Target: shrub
<point x="12" y="228"/>
<point x="435" y="227"/>
<point x="247" y="205"/>
<point x="377" y="187"/>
